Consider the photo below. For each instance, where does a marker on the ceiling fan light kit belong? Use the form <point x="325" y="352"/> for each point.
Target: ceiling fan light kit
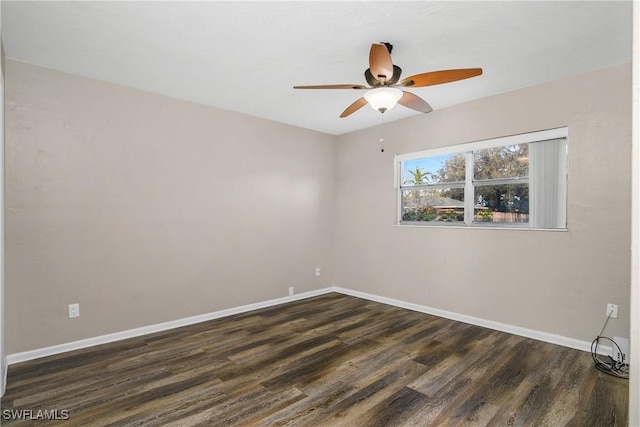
<point x="383" y="98"/>
<point x="383" y="76"/>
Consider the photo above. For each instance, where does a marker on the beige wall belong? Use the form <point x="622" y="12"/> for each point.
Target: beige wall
<point x="146" y="209"/>
<point x="3" y="359"/>
<point x="555" y="282"/>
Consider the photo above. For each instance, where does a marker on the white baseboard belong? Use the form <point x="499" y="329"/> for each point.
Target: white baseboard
<point x="133" y="333"/>
<point x="503" y="327"/>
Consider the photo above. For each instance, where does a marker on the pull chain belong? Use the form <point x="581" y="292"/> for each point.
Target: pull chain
<point x="382" y="133"/>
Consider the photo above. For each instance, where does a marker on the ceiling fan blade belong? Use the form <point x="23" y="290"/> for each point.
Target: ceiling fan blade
<point x="414" y="102"/>
<point x="439" y="77"/>
<point x="354" y="107"/>
<point x="345" y="86"/>
<point x="380" y="62"/>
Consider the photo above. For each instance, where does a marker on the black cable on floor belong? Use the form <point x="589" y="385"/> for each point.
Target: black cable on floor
<point x="616" y="368"/>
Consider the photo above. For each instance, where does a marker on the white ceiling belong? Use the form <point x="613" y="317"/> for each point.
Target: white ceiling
<point x="246" y="56"/>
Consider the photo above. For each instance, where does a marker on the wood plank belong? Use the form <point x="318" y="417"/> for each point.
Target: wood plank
<point x="331" y="360"/>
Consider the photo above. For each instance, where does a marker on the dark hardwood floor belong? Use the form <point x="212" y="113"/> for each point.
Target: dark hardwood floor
<point x="332" y="360"/>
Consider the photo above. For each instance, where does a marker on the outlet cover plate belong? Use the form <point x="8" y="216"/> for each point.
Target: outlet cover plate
<point x="613" y="309"/>
<point x="74" y="310"/>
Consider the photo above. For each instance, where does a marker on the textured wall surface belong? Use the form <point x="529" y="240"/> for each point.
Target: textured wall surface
<point x="145" y="209"/>
<point x="556" y="282"/>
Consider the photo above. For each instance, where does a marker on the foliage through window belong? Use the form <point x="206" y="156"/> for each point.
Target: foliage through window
<point x="517" y="181"/>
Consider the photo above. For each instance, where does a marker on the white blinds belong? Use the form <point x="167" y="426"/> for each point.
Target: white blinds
<point x="548" y="183"/>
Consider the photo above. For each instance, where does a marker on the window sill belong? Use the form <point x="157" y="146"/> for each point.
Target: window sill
<point x="478" y="227"/>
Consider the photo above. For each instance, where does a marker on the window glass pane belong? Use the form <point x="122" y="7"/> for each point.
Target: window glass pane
<point x="502" y="203"/>
<point x="441" y="204"/>
<point x="433" y="170"/>
<point x="510" y="161"/>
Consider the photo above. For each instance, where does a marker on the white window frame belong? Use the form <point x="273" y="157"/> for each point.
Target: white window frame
<point x="469" y="198"/>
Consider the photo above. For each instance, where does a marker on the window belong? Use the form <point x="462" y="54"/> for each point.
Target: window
<point x="517" y="182"/>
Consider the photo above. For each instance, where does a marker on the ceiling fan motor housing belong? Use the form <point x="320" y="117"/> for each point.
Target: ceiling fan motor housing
<point x="373" y="82"/>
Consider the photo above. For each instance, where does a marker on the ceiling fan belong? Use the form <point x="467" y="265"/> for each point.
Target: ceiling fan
<point x="383" y="78"/>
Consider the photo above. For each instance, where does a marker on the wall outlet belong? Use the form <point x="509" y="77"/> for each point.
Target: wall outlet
<point x="74" y="310"/>
<point x="318" y="271"/>
<point x="291" y="291"/>
<point x="621" y="355"/>
<point x="613" y="310"/>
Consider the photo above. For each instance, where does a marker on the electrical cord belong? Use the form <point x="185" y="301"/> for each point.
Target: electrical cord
<point x="616" y="368"/>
